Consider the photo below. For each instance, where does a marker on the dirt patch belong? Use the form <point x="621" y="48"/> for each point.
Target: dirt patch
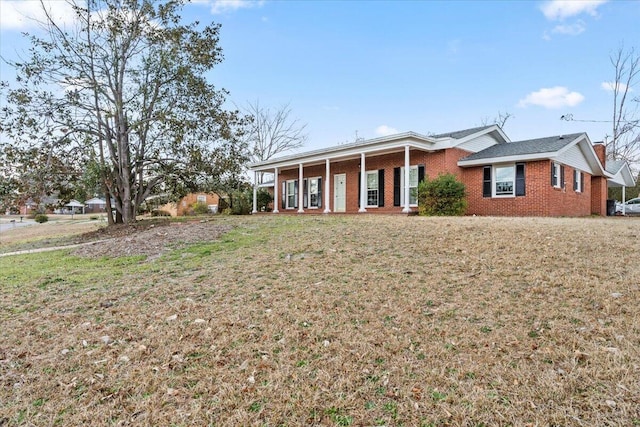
<point x="149" y="238"/>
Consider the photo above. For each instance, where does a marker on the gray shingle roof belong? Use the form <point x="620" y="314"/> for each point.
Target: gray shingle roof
<point x="461" y="133"/>
<point x="530" y="146"/>
<point x="613" y="166"/>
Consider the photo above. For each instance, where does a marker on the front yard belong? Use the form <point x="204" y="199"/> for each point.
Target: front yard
<point x="331" y="320"/>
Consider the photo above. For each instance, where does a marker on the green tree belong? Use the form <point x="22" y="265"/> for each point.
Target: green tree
<point x="442" y="196"/>
<point x="125" y="87"/>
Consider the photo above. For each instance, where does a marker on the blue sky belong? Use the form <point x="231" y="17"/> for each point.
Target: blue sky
<point x="377" y="67"/>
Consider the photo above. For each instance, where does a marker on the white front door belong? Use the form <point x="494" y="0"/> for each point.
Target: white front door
<point x="339" y="192"/>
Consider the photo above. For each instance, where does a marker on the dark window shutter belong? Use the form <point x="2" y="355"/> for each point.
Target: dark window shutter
<point x="283" y="202"/>
<point x="295" y="192"/>
<point x="305" y="193"/>
<point x="319" y="192"/>
<point x="359" y="186"/>
<point x="396" y="186"/>
<point x="561" y="176"/>
<point x="381" y="187"/>
<point x="553" y="170"/>
<point x="420" y="173"/>
<point x="581" y="182"/>
<point x="486" y="181"/>
<point x="575" y="180"/>
<point x="520" y="181"/>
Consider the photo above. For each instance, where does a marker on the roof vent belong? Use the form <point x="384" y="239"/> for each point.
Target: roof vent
<point x="561" y="137"/>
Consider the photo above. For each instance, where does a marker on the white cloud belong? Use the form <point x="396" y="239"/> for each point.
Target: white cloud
<point x="23" y="15"/>
<point x="554" y="97"/>
<point x="570" y="29"/>
<point x="610" y="86"/>
<point x="561" y="9"/>
<point x="222" y="6"/>
<point x="384" y="130"/>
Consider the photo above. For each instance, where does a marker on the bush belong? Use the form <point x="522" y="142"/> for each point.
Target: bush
<point x="160" y="212"/>
<point x="200" y="208"/>
<point x="263" y="200"/>
<point x="40" y="218"/>
<point x="442" y="196"/>
<point x="242" y="202"/>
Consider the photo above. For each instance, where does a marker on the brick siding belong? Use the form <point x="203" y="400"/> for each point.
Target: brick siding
<point x="541" y="198"/>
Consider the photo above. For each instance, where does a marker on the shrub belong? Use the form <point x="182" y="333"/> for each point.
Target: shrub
<point x="263" y="200"/>
<point x="222" y="205"/>
<point x="160" y="212"/>
<point x="242" y="202"/>
<point x="442" y="196"/>
<point x="200" y="208"/>
<point x="40" y="218"/>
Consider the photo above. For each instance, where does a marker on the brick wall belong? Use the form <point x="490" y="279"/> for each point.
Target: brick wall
<point x="186" y="203"/>
<point x="541" y="198"/>
<point x="599" y="195"/>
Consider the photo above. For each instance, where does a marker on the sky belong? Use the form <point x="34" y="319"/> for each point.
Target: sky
<point x="372" y="68"/>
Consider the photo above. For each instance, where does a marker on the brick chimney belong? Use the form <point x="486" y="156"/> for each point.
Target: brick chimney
<point x="601" y="152"/>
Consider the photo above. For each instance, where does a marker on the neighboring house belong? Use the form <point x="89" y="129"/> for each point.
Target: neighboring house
<point x="185" y="205"/>
<point x="95" y="205"/>
<point x="554" y="176"/>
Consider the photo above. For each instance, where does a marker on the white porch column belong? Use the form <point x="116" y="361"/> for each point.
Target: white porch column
<point x="276" y="191"/>
<point x="255" y="192"/>
<point x="300" y="189"/>
<point x="363" y="184"/>
<point x="624" y="199"/>
<point x="406" y="208"/>
<point x="327" y="186"/>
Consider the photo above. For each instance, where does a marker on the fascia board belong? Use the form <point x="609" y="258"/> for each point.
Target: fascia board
<point x="342" y="154"/>
<point x="507" y="159"/>
<point x="404" y="138"/>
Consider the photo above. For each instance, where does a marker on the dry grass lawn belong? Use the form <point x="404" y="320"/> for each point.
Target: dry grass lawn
<point x="336" y="320"/>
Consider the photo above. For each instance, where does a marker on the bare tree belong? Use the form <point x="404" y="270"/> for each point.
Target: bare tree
<point x="625" y="141"/>
<point x="273" y="132"/>
<point x="500" y="120"/>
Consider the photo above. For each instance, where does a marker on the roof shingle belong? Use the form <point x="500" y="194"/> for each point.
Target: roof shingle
<point x="530" y="146"/>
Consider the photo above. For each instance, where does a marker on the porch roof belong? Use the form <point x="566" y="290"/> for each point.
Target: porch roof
<point x="622" y="175"/>
<point x="379" y="146"/>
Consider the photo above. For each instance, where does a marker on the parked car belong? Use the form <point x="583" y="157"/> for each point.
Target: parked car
<point x="631" y="206"/>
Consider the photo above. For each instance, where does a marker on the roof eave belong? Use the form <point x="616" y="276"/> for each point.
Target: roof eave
<point x="507" y="159"/>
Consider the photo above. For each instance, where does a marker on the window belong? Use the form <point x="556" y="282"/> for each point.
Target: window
<point x="413" y="185"/>
<point x="202" y="198"/>
<point x="372" y="189"/>
<point x="578" y="184"/>
<point x="313" y="192"/>
<point x="504" y="181"/>
<point x="291" y="195"/>
<point x="557" y="175"/>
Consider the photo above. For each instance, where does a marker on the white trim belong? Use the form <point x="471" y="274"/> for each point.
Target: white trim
<point x="407" y="192"/>
<point x="276" y="190"/>
<point x="508" y="159"/>
<point x="327" y="187"/>
<point x="255" y="193"/>
<point x="363" y="184"/>
<point x="376" y="189"/>
<point x="494" y="176"/>
<point x="300" y="188"/>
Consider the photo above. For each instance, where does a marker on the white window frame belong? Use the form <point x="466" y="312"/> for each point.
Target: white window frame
<point x="557" y="175"/>
<point x="309" y="193"/>
<point x="494" y="180"/>
<point x="376" y="189"/>
<point x="417" y="175"/>
<point x="577" y="181"/>
<point x="201" y="198"/>
<point x="290" y="193"/>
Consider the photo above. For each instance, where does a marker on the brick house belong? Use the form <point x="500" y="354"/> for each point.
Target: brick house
<point x="553" y="176"/>
<point x="185" y="205"/>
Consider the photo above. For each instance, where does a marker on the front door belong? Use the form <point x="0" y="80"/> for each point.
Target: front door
<point x="339" y="192"/>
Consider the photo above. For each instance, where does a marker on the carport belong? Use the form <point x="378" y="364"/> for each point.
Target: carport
<point x="622" y="177"/>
